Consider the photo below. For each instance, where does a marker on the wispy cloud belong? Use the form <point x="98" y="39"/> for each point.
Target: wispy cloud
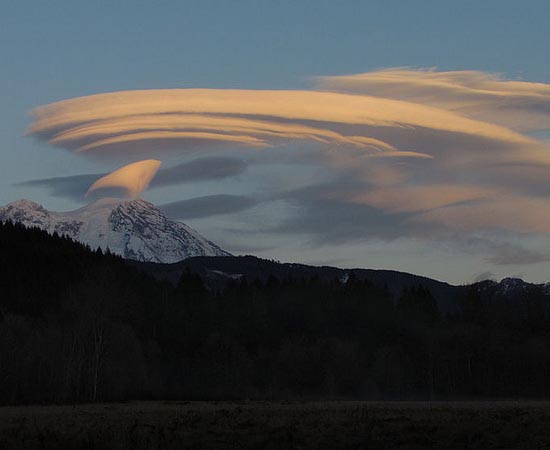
<point x="208" y="205"/>
<point x="512" y="254"/>
<point x="518" y="105"/>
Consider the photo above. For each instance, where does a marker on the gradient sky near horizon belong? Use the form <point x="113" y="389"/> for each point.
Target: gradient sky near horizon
<point x="282" y="203"/>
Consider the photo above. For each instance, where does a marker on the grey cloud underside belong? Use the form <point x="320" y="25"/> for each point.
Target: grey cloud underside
<point x="529" y="179"/>
<point x="209" y="205"/>
<point x="334" y="222"/>
<point x="72" y="187"/>
<point x="329" y="220"/>
<point x="510" y="254"/>
<point x="201" y="169"/>
<point x="499" y="251"/>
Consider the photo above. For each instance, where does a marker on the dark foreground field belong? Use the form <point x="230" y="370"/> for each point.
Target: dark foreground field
<point x="316" y="425"/>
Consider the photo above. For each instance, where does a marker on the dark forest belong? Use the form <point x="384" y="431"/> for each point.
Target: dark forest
<point x="80" y="325"/>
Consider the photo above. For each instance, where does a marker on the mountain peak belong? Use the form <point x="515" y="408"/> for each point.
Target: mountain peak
<point x="113" y="202"/>
<point x="26" y="212"/>
<point x="24" y="204"/>
<point x="132" y="228"/>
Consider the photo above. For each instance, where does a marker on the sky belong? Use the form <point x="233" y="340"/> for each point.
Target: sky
<point x="379" y="134"/>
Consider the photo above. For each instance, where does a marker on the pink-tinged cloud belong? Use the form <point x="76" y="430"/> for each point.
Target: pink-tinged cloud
<point x="419" y="198"/>
<point x="514" y="213"/>
<point x="132" y="179"/>
<point x="249" y="117"/>
<point x="518" y="105"/>
<point x="231" y="129"/>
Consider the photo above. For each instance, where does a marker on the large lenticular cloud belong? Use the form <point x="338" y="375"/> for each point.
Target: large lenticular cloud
<point x="248" y="118"/>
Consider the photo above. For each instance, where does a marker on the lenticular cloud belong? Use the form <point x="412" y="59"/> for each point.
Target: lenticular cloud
<point x="255" y="118"/>
<point x="518" y="105"/>
<point x="132" y="179"/>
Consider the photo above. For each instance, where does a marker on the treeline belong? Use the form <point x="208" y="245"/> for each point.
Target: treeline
<point x="78" y="325"/>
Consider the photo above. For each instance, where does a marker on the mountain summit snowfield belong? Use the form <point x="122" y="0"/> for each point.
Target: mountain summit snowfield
<point x="133" y="229"/>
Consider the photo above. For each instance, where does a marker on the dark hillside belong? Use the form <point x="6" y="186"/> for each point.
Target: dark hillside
<point x="78" y="325"/>
<point x="218" y="271"/>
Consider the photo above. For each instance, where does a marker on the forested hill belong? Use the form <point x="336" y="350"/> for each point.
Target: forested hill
<point x="40" y="271"/>
<point x="217" y="272"/>
<point x="77" y="325"/>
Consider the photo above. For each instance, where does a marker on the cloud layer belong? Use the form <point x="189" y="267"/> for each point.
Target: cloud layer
<point x="208" y="205"/>
<point x="408" y="153"/>
<point x="74" y="187"/>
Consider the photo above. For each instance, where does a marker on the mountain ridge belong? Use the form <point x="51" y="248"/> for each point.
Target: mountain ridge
<point x="220" y="271"/>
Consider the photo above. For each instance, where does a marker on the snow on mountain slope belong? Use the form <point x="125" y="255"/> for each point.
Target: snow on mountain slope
<point x="134" y="229"/>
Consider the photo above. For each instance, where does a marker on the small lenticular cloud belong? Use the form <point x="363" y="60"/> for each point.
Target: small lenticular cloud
<point x="132" y="179"/>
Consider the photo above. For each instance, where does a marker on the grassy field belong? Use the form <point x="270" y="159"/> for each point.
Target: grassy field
<point x="262" y="425"/>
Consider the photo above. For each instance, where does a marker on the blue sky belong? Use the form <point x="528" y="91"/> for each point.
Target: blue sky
<point x="62" y="49"/>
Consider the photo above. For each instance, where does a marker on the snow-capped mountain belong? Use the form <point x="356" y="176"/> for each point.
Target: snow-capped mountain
<point x="134" y="229"/>
<point x="510" y="288"/>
